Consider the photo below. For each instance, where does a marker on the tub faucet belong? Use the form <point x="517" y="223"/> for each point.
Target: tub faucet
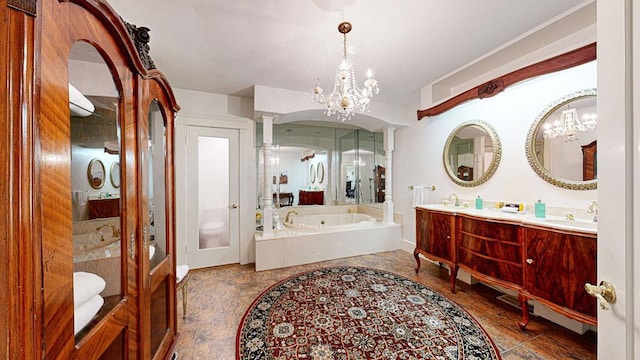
<point x="593" y="209"/>
<point x="454" y="195"/>
<point x="288" y="219"/>
<point x="115" y="232"/>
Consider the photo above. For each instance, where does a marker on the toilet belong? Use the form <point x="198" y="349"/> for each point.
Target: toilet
<point x="211" y="234"/>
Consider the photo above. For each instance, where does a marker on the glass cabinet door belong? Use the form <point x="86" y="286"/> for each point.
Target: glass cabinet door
<point x="98" y="254"/>
<point x="155" y="228"/>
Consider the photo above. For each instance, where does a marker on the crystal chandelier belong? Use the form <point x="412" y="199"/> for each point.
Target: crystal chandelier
<point x="569" y="124"/>
<point x="346" y="98"/>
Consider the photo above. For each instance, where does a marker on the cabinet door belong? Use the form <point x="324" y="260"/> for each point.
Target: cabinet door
<point x="434" y="234"/>
<point x="557" y="267"/>
<point x="158" y="293"/>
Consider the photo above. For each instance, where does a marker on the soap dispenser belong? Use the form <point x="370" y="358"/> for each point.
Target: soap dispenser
<point x="540" y="209"/>
<point x="478" y="202"/>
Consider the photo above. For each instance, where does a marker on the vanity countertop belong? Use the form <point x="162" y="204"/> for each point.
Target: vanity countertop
<point x="555" y="222"/>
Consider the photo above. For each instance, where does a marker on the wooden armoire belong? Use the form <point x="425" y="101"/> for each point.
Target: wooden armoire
<point x="48" y="135"/>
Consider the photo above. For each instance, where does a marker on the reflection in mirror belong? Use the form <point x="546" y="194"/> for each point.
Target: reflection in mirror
<point x="97" y="255"/>
<point x="472" y="153"/>
<point x="312" y="173"/>
<point x="95" y="173"/>
<point x="320" y="172"/>
<point x="114" y="174"/>
<point x="156" y="185"/>
<point x="561" y="144"/>
<point x="351" y="159"/>
<point x="157" y="225"/>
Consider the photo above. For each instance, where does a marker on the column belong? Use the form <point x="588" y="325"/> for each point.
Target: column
<point x="267" y="198"/>
<point x="387" y="206"/>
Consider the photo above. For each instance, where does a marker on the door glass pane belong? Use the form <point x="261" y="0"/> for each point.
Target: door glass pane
<point x="156" y="186"/>
<point x="213" y="191"/>
<point x="156" y="224"/>
<point x="95" y="187"/>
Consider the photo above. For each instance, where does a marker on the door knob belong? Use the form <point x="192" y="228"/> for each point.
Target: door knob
<point x="605" y="293"/>
<point x="234" y="206"/>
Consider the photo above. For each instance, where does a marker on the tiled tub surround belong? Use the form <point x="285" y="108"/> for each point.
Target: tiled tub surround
<point x="290" y="246"/>
<point x="544" y="259"/>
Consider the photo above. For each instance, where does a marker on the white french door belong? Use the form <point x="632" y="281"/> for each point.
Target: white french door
<point x="212" y="196"/>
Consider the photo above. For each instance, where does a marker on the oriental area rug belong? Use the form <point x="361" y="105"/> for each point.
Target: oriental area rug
<point x="358" y="313"/>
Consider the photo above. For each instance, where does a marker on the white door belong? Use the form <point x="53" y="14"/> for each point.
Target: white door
<point x="212" y="214"/>
<point x="619" y="177"/>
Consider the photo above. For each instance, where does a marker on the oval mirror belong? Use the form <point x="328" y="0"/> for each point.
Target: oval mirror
<point x="114" y="174"/>
<point x="320" y="172"/>
<point x="96" y="173"/>
<point x="472" y="153"/>
<point x="312" y="174"/>
<point x="561" y="144"/>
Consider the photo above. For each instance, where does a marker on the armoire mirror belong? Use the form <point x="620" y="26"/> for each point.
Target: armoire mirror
<point x="156" y="232"/>
<point x="562" y="148"/>
<point x="472" y="153"/>
<point x="97" y="245"/>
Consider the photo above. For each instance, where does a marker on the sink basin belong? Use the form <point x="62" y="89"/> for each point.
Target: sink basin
<point x="576" y="224"/>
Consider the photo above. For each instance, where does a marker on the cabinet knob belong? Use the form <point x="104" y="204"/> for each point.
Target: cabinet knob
<point x="529" y="261"/>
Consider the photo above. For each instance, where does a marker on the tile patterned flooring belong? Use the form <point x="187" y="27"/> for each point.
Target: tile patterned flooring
<point x="219" y="296"/>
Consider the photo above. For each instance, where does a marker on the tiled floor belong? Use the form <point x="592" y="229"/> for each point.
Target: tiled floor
<point x="218" y="297"/>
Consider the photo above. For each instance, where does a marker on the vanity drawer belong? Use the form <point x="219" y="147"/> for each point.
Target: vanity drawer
<point x="503" y="270"/>
<point x="489" y="229"/>
<point x="494" y="249"/>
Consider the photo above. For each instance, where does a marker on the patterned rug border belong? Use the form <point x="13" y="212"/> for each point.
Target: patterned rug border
<point x="329" y="268"/>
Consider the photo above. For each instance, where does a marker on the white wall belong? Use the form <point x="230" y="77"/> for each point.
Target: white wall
<point x="215" y="110"/>
<point x="418" y="154"/>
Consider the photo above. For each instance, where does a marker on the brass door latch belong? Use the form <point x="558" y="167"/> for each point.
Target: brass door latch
<point x="605" y="293"/>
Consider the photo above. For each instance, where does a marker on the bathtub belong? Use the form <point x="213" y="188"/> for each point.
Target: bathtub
<point x="308" y="239"/>
<point x="338" y="221"/>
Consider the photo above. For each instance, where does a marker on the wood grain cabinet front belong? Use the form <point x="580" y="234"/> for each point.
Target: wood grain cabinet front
<point x="435" y="239"/>
<point x="491" y="250"/>
<point x="544" y="264"/>
<point x="557" y="266"/>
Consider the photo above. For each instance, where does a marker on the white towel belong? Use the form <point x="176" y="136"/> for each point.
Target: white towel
<point x="86" y="286"/>
<point x="84" y="313"/>
<point x="181" y="272"/>
<point x="420" y="195"/>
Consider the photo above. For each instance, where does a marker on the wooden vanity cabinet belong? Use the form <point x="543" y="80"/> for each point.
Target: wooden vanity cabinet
<point x="557" y="265"/>
<point x="545" y="264"/>
<point x="435" y="240"/>
<point x="310" y="197"/>
<point x="490" y="250"/>
<point x="37" y="255"/>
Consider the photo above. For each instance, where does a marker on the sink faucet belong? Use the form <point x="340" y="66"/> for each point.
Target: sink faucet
<point x="288" y="219"/>
<point x="593" y="209"/>
<point x="454" y="195"/>
<point x="115" y="232"/>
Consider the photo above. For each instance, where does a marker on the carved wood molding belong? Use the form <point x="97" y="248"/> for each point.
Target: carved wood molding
<point x="140" y="37"/>
<point x="564" y="61"/>
<point x="27" y="6"/>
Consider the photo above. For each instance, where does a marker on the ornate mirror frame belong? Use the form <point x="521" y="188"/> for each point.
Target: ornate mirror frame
<point x="531" y="139"/>
<point x="312" y="174"/>
<point x="320" y="172"/>
<point x="96" y="173"/>
<point x="497" y="153"/>
<point x="114" y="174"/>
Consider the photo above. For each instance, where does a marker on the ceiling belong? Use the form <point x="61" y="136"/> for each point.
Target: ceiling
<point x="226" y="47"/>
